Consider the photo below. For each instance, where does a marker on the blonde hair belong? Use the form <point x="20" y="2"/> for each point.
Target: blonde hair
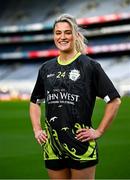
<point x="80" y="39"/>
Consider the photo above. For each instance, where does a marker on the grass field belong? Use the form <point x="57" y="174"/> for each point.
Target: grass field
<point x="21" y="157"/>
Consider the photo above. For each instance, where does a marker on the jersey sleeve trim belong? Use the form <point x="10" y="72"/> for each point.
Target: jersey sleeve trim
<point x="110" y="97"/>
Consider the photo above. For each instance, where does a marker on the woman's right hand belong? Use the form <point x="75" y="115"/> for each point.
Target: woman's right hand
<point x="40" y="136"/>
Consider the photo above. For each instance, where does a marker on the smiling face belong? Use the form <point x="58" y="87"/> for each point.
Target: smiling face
<point x="63" y="37"/>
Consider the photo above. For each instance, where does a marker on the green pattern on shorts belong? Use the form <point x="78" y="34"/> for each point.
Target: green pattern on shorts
<point x="53" y="149"/>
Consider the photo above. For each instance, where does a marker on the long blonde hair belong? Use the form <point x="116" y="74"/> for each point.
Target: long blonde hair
<point x="80" y="39"/>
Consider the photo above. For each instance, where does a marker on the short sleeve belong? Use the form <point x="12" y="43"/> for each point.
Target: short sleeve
<point x="38" y="93"/>
<point x="104" y="87"/>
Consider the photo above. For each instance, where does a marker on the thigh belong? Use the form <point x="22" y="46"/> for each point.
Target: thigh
<point x="59" y="174"/>
<point x="86" y="173"/>
<point x="58" y="169"/>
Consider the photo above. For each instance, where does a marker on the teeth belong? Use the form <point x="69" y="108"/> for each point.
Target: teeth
<point x="63" y="42"/>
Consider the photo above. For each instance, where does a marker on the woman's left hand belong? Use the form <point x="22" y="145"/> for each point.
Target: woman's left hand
<point x="87" y="134"/>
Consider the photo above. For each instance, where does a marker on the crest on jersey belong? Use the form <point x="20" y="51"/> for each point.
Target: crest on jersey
<point x="74" y="74"/>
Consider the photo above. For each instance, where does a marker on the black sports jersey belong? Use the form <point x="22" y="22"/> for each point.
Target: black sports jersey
<point x="70" y="92"/>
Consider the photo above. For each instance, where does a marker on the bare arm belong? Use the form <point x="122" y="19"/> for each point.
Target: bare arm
<point x="109" y="114"/>
<point x="35" y="115"/>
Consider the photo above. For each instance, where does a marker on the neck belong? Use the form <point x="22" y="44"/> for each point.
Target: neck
<point x="64" y="56"/>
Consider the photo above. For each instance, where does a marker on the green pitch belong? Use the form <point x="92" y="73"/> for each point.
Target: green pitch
<point x="21" y="157"/>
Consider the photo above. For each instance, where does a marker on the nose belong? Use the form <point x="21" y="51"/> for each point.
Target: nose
<point x="63" y="35"/>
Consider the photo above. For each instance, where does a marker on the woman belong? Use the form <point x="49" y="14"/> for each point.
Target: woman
<point x="70" y="84"/>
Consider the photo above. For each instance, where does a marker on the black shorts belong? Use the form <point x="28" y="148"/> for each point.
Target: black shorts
<point x="59" y="164"/>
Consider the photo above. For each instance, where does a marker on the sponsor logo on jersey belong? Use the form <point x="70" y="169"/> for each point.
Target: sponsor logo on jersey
<point x="50" y="75"/>
<point x="74" y="74"/>
<point x="62" y="97"/>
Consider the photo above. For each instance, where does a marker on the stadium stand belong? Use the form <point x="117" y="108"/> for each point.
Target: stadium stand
<point x="118" y="69"/>
<point x="26" y="39"/>
<point x="18" y="78"/>
<point x="24" y="12"/>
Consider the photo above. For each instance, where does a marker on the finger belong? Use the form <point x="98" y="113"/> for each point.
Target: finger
<point x="81" y="130"/>
<point x="42" y="136"/>
<point x="83" y="134"/>
<point x="82" y="138"/>
<point x="44" y="133"/>
<point x="41" y="140"/>
<point x="38" y="140"/>
<point x="86" y="139"/>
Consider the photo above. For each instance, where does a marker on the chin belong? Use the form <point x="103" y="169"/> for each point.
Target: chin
<point x="61" y="48"/>
<point x="64" y="49"/>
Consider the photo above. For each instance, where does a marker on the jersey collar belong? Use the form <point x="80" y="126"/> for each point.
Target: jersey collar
<point x="68" y="61"/>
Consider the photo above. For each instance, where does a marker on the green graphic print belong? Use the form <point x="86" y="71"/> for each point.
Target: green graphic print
<point x="55" y="149"/>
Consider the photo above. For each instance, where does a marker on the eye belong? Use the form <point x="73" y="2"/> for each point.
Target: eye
<point x="68" y="32"/>
<point x="57" y="32"/>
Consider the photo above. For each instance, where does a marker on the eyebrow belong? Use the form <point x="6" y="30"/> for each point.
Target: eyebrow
<point x="63" y="30"/>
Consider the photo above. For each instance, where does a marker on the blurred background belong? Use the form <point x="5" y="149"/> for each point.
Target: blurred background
<point x="26" y="41"/>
